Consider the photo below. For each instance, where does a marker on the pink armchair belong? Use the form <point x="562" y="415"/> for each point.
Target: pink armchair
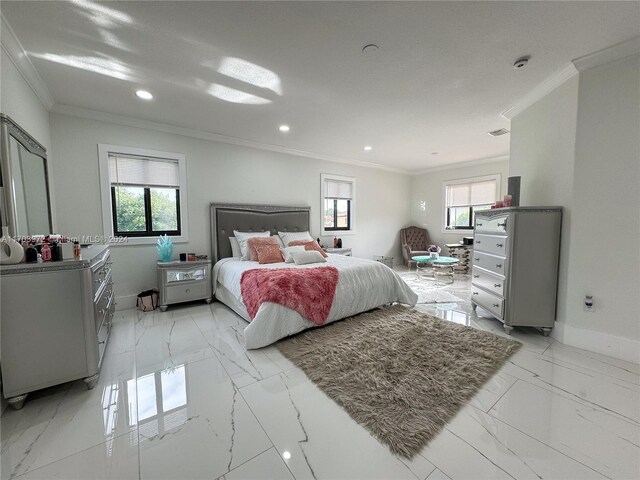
<point x="414" y="241"/>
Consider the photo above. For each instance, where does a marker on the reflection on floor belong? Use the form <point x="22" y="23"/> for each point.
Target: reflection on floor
<point x="179" y="397"/>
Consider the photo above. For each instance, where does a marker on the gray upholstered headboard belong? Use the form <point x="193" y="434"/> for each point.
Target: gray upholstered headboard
<point x="227" y="217"/>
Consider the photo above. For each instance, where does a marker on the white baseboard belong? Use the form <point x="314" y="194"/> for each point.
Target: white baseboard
<point x="598" y="342"/>
<point x="126" y="301"/>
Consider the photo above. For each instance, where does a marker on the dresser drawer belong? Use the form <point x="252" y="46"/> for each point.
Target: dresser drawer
<point x="186" y="292"/>
<point x="495" y="244"/>
<point x="493" y="263"/>
<point x="492" y="225"/>
<point x="103" y="304"/>
<point x="101" y="273"/>
<point x="488" y="301"/>
<point x="488" y="281"/>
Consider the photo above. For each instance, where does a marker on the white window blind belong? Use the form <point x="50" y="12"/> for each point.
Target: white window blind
<point x="469" y="194"/>
<point x="149" y="172"/>
<point x="338" y="189"/>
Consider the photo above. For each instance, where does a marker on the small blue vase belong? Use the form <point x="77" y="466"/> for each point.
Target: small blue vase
<point x="165" y="248"/>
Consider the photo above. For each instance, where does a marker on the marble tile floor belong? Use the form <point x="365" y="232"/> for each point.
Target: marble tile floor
<point x="180" y="398"/>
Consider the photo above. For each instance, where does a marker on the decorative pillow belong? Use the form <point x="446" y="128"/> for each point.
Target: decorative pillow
<point x="269" y="253"/>
<point x="242" y="238"/>
<point x="306" y="257"/>
<point x="252" y="243"/>
<point x="235" y="247"/>
<point x="286" y="252"/>
<point x="312" y="245"/>
<point x="288" y="237"/>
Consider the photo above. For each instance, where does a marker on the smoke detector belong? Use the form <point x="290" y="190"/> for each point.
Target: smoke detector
<point x="521" y="62"/>
<point x="370" y="49"/>
<point x="499" y="132"/>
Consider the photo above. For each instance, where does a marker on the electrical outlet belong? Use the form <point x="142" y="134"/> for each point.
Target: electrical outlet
<point x="589" y="305"/>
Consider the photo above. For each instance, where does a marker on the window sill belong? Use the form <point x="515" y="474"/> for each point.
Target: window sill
<point x="458" y="232"/>
<point x="147" y="241"/>
<point x="336" y="233"/>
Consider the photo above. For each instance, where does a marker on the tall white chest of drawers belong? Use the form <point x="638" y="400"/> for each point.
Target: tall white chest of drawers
<point x="515" y="265"/>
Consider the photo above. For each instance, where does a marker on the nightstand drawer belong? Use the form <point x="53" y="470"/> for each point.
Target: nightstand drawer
<point x="186" y="292"/>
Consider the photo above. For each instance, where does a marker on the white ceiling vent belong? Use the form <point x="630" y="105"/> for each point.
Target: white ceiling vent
<point x="499" y="132"/>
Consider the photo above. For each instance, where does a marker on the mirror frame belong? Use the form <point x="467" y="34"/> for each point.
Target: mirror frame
<point x="8" y="214"/>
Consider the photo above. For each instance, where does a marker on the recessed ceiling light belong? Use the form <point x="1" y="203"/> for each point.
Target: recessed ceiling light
<point x="284" y="128"/>
<point x="368" y="148"/>
<point x="143" y="94"/>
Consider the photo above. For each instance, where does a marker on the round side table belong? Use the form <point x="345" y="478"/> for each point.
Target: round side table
<point x="438" y="269"/>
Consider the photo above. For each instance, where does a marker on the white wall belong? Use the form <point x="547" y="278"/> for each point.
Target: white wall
<point x="579" y="147"/>
<point x="606" y="201"/>
<point x="543" y="139"/>
<point x="18" y="101"/>
<point x="427" y="202"/>
<point x="216" y="173"/>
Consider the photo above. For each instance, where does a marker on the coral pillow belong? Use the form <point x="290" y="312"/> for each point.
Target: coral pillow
<point x="308" y="245"/>
<point x="269" y="253"/>
<point x="252" y="243"/>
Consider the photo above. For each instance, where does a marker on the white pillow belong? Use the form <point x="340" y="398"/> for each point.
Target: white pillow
<point x="286" y="252"/>
<point x="308" y="256"/>
<point x="288" y="237"/>
<point x="235" y="247"/>
<point x="279" y="241"/>
<point x="242" y="238"/>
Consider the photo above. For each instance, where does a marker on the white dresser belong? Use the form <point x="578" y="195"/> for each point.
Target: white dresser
<point x="56" y="320"/>
<point x="514" y="272"/>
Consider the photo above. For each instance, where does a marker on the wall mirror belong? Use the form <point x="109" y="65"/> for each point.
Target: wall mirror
<point x="25" y="204"/>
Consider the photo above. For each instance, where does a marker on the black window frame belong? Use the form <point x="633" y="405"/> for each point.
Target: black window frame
<point x="149" y="232"/>
<point x="335" y="215"/>
<point x="472" y="210"/>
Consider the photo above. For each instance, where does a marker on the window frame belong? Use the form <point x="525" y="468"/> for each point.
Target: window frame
<point x="351" y="204"/>
<point x="445" y="209"/>
<point x="108" y="212"/>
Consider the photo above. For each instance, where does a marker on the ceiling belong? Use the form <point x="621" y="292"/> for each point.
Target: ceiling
<point x="438" y="82"/>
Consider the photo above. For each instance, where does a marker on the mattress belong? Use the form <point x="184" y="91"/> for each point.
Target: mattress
<point x="362" y="285"/>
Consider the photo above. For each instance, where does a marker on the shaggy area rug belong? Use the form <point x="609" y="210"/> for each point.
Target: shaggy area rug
<point x="400" y="373"/>
<point x="427" y="291"/>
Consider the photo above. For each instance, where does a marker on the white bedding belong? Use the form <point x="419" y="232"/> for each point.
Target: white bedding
<point x="362" y="285"/>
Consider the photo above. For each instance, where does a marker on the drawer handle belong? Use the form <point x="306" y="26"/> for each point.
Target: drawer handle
<point x="475" y="293"/>
<point x="496" y="305"/>
<point x="102" y="342"/>
<point x="476" y="276"/>
<point x="97" y="280"/>
<point x="500" y="245"/>
<point x="477" y="259"/>
<point x="502" y="224"/>
<point x="187" y="291"/>
<point x="497" y="285"/>
<point x="498" y="265"/>
<point x="479" y="224"/>
<point x="478" y="242"/>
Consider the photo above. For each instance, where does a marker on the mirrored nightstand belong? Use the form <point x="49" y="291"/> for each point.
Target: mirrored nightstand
<point x="184" y="282"/>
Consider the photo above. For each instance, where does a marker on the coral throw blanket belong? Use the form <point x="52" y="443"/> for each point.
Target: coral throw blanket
<point x="308" y="291"/>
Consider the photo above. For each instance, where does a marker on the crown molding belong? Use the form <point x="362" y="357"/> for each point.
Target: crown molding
<point x="609" y="54"/>
<point x="18" y="55"/>
<point x="213" y="137"/>
<point x="543" y="89"/>
<point x="470" y="163"/>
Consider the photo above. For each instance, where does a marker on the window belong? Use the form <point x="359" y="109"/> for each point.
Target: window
<point x="462" y="198"/>
<point x="143" y="193"/>
<point x="338" y="199"/>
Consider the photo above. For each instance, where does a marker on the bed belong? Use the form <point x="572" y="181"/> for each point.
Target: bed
<point x="362" y="284"/>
